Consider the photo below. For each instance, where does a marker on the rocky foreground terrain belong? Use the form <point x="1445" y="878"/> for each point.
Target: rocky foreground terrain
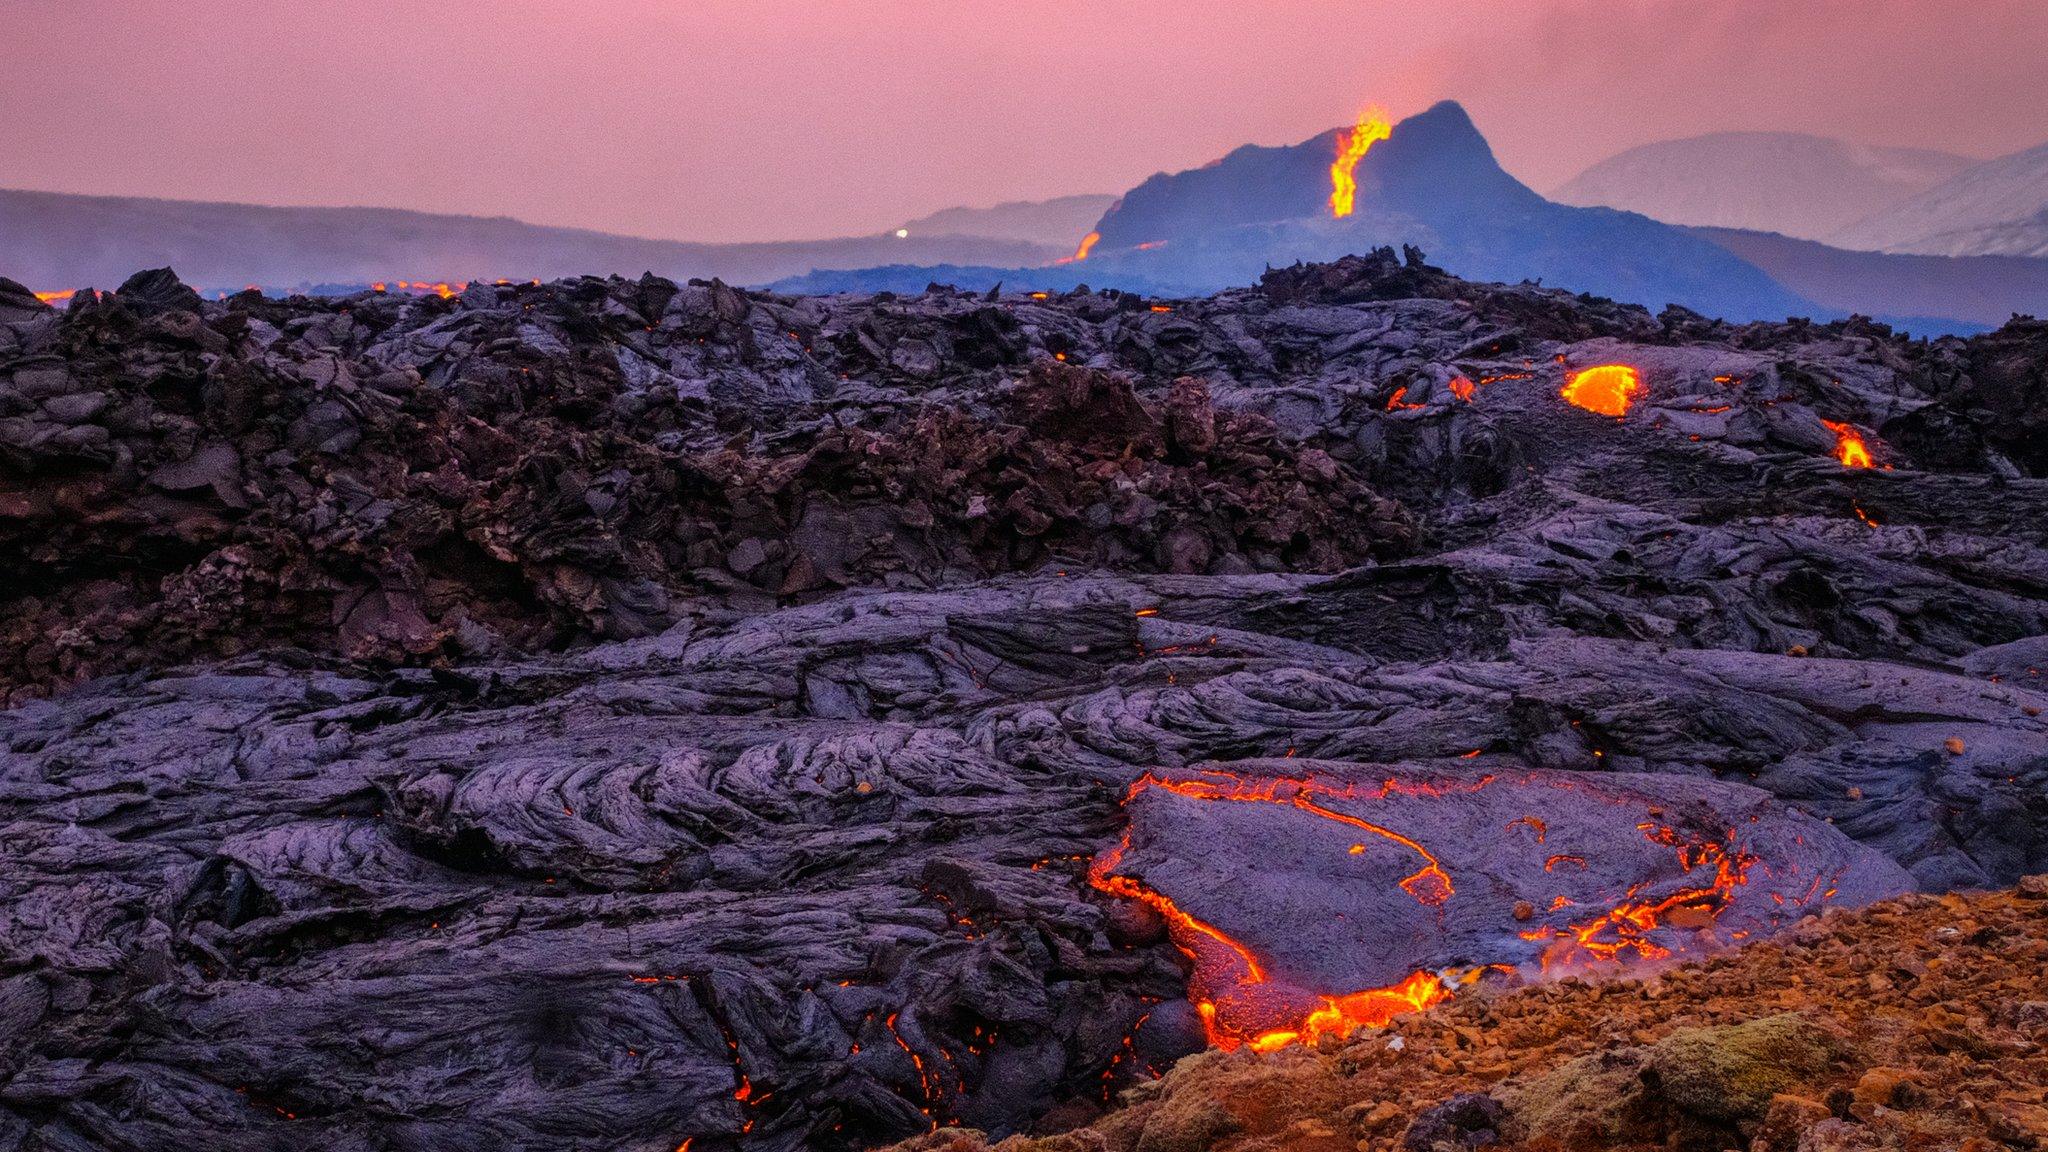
<point x="626" y="715"/>
<point x="1917" y="1023"/>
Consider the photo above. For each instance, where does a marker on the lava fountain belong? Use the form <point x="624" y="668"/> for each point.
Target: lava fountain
<point x="1352" y="145"/>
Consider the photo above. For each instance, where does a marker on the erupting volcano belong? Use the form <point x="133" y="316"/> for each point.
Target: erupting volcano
<point x="1313" y="899"/>
<point x="1373" y="126"/>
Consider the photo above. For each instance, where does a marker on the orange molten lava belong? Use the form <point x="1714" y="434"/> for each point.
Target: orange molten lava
<point x="441" y="288"/>
<point x="1088" y="244"/>
<point x="1336" y="1015"/>
<point x="1462" y="387"/>
<point x="1626" y="927"/>
<point x="1617" y="935"/>
<point x="1607" y="389"/>
<point x="1849" y="446"/>
<point x="56" y="297"/>
<point x="1430" y="885"/>
<point x="1339" y="1016"/>
<point x="1372" y="127"/>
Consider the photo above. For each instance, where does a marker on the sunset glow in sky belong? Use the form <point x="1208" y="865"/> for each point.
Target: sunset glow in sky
<point x="771" y="119"/>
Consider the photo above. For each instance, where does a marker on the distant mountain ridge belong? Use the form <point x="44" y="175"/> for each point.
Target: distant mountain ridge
<point x="1805" y="186"/>
<point x="1997" y="208"/>
<point x="54" y="241"/>
<point x="1059" y="222"/>
<point x="1923" y="295"/>
<point x="1435" y="184"/>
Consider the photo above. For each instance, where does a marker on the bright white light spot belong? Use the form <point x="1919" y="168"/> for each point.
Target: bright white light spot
<point x="903" y="233"/>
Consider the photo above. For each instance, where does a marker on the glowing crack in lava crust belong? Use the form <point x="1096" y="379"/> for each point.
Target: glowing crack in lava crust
<point x="1607" y="389"/>
<point x="1352" y="145"/>
<point x="1314" y="898"/>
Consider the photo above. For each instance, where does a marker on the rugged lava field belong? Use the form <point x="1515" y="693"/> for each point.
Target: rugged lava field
<point x="620" y="715"/>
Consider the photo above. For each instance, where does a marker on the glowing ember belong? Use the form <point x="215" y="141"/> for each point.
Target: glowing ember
<point x="1088" y="244"/>
<point x="1849" y="446"/>
<point x="441" y="288"/>
<point x="1607" y="389"/>
<point x="1372" y="127"/>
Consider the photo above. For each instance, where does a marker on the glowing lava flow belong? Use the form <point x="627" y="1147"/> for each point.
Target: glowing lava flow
<point x="1607" y="389"/>
<point x="56" y="297"/>
<point x="1246" y="997"/>
<point x="1335" y="1015"/>
<point x="1849" y="446"/>
<point x="1372" y="127"/>
<point x="1626" y="927"/>
<point x="1429" y="885"/>
<point x="1088" y="244"/>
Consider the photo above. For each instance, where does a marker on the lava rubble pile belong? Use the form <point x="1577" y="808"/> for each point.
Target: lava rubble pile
<point x="615" y="714"/>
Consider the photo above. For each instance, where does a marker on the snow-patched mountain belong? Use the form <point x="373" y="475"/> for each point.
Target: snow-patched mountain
<point x="1998" y="208"/>
<point x="1805" y="186"/>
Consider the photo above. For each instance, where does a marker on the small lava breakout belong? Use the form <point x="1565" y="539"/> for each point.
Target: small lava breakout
<point x="1314" y="902"/>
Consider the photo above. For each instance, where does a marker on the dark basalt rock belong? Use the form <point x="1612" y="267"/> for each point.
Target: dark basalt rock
<point x="1467" y="1120"/>
<point x="609" y="713"/>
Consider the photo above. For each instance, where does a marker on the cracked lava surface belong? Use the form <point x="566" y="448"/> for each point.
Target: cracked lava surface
<point x="1313" y="898"/>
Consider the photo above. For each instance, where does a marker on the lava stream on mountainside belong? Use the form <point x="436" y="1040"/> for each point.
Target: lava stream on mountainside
<point x="1373" y="126"/>
<point x="1316" y="898"/>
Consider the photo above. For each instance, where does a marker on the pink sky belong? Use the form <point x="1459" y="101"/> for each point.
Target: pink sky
<point x="770" y="119"/>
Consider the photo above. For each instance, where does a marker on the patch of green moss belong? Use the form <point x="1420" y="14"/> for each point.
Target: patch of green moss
<point x="1730" y="1073"/>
